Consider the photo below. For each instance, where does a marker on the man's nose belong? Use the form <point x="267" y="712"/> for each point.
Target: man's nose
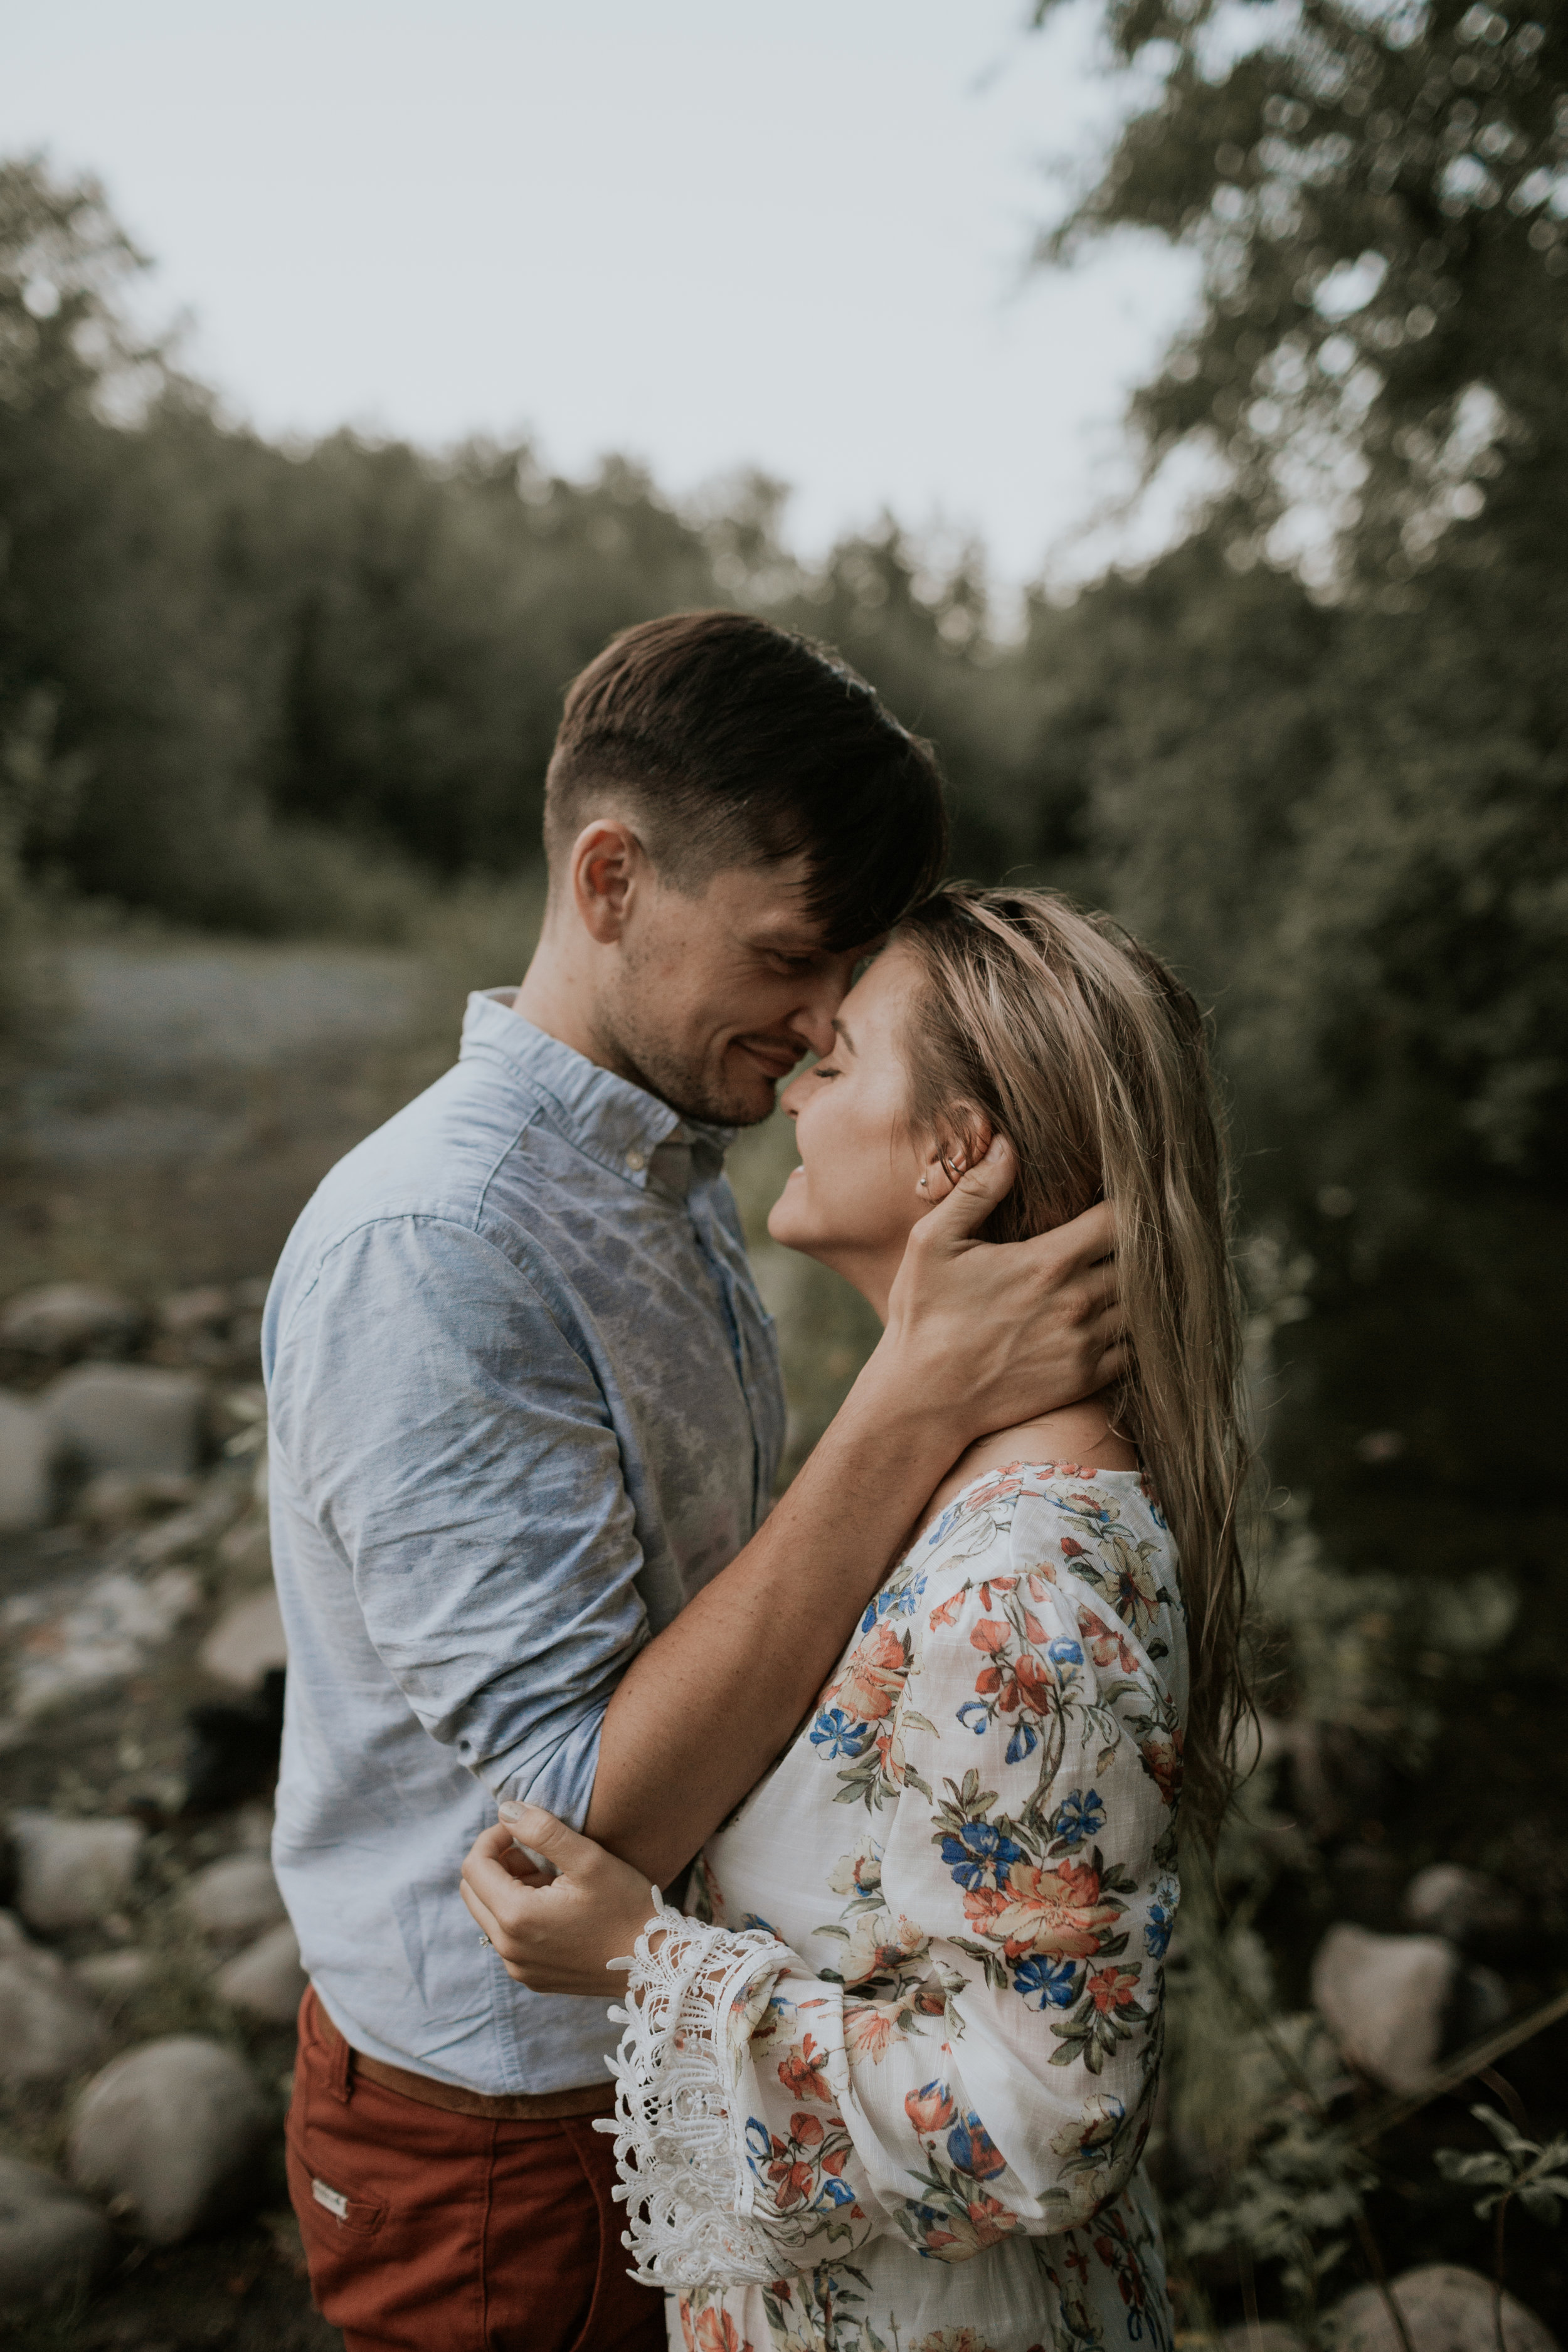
<point x="814" y="1017"/>
<point x="814" y="1024"/>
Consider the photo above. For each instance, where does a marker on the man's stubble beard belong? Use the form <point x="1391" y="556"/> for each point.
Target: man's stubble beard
<point x="687" y="1085"/>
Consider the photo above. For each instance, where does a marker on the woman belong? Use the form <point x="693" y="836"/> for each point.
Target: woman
<point x="889" y="2084"/>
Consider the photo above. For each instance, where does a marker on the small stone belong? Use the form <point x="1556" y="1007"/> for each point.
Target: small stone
<point x="1445" y="2309"/>
<point x="247" y="1547"/>
<point x="171" y="2134"/>
<point x="112" y="1977"/>
<point x="1384" y="1999"/>
<point x="1449" y="1900"/>
<point x="70" y="1318"/>
<point x="70" y="1873"/>
<point x="267" y="1981"/>
<point x="196" y="1310"/>
<point x="191" y="1530"/>
<point x="116" y="1499"/>
<point x="48" y="2029"/>
<point x="27" y="1451"/>
<point x="254" y="1824"/>
<point x="66" y="1639"/>
<point x="52" y="2242"/>
<point x="128" y="1417"/>
<point x="234" y="1898"/>
<point x="248" y="1642"/>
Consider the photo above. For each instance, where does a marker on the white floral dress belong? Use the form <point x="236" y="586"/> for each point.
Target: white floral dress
<point x="890" y="2094"/>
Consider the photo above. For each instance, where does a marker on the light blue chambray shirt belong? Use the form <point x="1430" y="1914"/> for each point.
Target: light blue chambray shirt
<point x="524" y="1402"/>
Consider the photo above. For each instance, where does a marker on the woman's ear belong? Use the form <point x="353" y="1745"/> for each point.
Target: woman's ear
<point x="960" y="1142"/>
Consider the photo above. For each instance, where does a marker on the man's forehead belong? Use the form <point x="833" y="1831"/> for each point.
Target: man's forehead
<point x="792" y="930"/>
<point x="768" y="906"/>
<point x="770" y="902"/>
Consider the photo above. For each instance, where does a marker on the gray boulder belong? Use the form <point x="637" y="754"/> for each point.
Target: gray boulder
<point x="267" y="1981"/>
<point x="1385" y="1998"/>
<point x="234" y="1898"/>
<point x="1445" y="2309"/>
<point x="70" y="1318"/>
<point x="26" y="1466"/>
<point x="128" y="1417"/>
<point x="247" y="1642"/>
<point x="51" y="2240"/>
<point x="112" y="1977"/>
<point x="70" y="1873"/>
<point x="172" y="2135"/>
<point x="1449" y="1900"/>
<point x="48" y="2028"/>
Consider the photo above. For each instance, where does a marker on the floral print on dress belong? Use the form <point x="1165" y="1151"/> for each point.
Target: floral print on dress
<point x="940" y="2092"/>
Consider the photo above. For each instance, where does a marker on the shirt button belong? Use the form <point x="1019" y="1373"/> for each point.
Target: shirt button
<point x="636" y="1161"/>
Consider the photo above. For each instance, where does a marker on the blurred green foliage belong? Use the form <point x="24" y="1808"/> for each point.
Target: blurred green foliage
<point x="1338" y="785"/>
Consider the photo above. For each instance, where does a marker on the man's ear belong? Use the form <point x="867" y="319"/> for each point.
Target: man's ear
<point x="606" y="865"/>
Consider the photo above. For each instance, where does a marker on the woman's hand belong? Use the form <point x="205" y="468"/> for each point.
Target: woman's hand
<point x="555" y="1934"/>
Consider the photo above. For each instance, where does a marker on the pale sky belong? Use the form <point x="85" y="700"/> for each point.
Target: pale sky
<point x="710" y="234"/>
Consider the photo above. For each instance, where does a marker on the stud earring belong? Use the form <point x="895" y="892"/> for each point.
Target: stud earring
<point x="922" y="1185"/>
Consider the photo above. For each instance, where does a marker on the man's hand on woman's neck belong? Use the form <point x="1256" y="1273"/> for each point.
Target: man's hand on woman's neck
<point x="981" y="1337"/>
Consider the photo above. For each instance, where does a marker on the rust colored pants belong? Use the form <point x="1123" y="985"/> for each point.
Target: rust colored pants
<point x="443" y="2233"/>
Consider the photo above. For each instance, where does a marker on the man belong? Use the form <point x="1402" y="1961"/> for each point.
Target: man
<point x="525" y="1422"/>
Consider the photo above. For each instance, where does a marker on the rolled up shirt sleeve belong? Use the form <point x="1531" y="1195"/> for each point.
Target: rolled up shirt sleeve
<point x="460" y="1463"/>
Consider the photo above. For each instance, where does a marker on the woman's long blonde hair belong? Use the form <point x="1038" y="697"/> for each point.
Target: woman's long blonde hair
<point x="1092" y="1058"/>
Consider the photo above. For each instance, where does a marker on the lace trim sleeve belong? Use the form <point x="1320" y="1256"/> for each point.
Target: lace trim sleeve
<point x="679" y="2146"/>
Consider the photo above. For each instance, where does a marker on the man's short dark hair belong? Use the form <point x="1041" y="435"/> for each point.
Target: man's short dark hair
<point x="731" y="742"/>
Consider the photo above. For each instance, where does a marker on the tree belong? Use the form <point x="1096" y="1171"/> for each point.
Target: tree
<point x="246" y="671"/>
<point x="1379" y="195"/>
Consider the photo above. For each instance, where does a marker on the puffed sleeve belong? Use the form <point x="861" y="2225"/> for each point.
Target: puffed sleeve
<point x="982" y="2060"/>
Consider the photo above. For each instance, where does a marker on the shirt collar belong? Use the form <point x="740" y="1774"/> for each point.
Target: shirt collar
<point x="623" y="1127"/>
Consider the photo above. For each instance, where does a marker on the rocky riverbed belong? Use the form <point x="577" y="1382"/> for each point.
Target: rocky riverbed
<point x="183" y="1099"/>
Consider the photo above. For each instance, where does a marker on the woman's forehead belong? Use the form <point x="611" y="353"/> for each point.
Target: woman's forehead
<point x="882" y="991"/>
